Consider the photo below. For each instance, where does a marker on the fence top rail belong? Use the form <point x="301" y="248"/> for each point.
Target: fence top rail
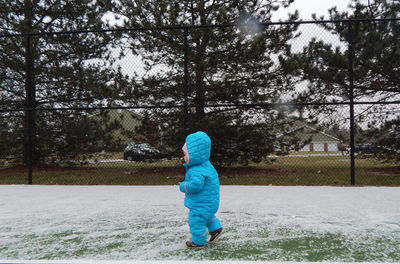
<point x="183" y="27"/>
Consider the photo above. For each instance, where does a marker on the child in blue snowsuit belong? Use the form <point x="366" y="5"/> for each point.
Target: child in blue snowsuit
<point x="201" y="188"/>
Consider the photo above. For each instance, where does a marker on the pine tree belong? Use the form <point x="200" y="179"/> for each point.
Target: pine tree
<point x="376" y="60"/>
<point x="65" y="70"/>
<point x="227" y="65"/>
<point x="386" y="140"/>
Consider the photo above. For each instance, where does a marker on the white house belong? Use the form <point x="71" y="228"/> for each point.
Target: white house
<point x="318" y="141"/>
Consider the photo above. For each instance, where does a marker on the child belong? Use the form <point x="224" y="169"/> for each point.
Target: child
<point x="201" y="188"/>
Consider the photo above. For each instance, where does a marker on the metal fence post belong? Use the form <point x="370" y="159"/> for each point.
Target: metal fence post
<point x="29" y="104"/>
<point x="186" y="83"/>
<point x="351" y="97"/>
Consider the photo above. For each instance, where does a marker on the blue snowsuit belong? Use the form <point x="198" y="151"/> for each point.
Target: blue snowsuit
<point x="201" y="188"/>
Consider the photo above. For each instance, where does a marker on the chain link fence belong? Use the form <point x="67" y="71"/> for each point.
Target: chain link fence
<point x="301" y="103"/>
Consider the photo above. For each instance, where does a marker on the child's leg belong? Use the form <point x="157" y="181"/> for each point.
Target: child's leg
<point x="197" y="225"/>
<point x="213" y="224"/>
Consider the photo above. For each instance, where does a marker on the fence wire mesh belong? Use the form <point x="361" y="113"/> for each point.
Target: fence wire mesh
<point x="277" y="102"/>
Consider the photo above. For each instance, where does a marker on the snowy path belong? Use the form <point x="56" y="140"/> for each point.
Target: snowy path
<point x="263" y="223"/>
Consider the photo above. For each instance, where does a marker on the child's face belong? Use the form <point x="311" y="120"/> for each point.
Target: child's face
<point x="185" y="154"/>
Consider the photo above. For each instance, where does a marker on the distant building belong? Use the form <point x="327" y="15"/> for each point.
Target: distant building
<point x="321" y="142"/>
<point x="308" y="139"/>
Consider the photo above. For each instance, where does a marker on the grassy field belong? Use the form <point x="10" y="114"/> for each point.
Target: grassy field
<point x="291" y="170"/>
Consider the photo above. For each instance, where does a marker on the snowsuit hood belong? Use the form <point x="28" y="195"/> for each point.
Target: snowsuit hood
<point x="199" y="148"/>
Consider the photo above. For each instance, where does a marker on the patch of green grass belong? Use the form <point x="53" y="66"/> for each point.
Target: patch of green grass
<point x="293" y="245"/>
<point x="259" y="242"/>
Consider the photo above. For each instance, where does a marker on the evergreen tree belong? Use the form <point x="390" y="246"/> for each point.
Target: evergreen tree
<point x="385" y="140"/>
<point x="65" y="70"/>
<point x="376" y="60"/>
<point x="227" y="65"/>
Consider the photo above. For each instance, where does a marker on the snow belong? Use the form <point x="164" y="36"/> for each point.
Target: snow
<point x="148" y="224"/>
<point x="164" y="262"/>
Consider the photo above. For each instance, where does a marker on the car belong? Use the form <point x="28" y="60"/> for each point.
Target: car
<point x="140" y="152"/>
<point x="365" y="149"/>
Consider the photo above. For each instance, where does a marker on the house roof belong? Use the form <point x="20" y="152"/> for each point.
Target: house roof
<point x="128" y="121"/>
<point x="316" y="136"/>
<point x="305" y="131"/>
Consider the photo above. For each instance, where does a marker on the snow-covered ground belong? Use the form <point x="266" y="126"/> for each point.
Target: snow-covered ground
<point x="168" y="262"/>
<point x="88" y="224"/>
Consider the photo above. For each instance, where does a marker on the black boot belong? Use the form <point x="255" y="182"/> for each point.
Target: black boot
<point x="190" y="244"/>
<point x="215" y="234"/>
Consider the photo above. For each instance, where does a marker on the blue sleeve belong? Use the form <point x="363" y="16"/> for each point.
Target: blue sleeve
<point x="194" y="185"/>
